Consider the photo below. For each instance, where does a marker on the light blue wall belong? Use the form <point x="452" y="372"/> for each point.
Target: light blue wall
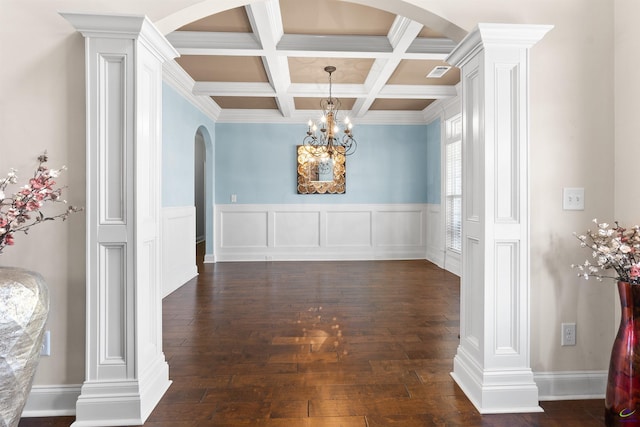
<point x="257" y="162"/>
<point x="434" y="175"/>
<point x="180" y="122"/>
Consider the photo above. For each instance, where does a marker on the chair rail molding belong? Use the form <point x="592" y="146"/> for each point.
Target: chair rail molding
<point x="492" y="364"/>
<point x="126" y="373"/>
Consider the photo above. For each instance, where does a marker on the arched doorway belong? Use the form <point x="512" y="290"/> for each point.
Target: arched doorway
<point x="492" y="364"/>
<point x="503" y="375"/>
<point x="203" y="195"/>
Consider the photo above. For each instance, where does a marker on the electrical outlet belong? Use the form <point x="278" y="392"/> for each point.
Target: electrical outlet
<point x="46" y="344"/>
<point x="568" y="334"/>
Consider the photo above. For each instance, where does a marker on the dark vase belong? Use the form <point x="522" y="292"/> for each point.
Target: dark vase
<point x="622" y="400"/>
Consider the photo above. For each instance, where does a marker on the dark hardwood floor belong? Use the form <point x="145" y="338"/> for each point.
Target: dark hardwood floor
<point x="322" y="344"/>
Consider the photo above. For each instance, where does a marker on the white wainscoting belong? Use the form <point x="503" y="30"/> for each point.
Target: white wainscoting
<point x="320" y="232"/>
<point x="178" y="247"/>
<point x="435" y="235"/>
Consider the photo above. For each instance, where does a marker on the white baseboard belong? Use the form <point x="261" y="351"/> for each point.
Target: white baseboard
<point x="174" y="279"/>
<point x="571" y="385"/>
<point x="436" y="256"/>
<point x="52" y="401"/>
<point x="209" y="259"/>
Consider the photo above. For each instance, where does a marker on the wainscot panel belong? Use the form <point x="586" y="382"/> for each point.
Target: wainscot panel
<point x="252" y="232"/>
<point x="178" y="247"/>
<point x="435" y="235"/>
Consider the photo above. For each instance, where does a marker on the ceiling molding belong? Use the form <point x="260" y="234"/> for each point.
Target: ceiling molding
<point x="233" y="89"/>
<point x="376" y="117"/>
<point x="177" y="78"/>
<point x="443" y="109"/>
<point x="314" y="90"/>
<point x="417" y="91"/>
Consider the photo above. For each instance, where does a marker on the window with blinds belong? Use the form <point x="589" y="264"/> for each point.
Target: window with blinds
<point x="453" y="184"/>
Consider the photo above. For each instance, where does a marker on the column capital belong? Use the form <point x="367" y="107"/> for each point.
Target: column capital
<point x="134" y="27"/>
<point x="484" y="35"/>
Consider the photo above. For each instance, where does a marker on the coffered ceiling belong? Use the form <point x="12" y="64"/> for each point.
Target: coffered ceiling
<point x="269" y="57"/>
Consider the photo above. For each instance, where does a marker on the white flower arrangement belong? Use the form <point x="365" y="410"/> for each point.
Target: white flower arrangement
<point x="613" y="247"/>
<point x="22" y="210"/>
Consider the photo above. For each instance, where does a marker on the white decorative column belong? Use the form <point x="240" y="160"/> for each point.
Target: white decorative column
<point x="126" y="371"/>
<point x="492" y="364"/>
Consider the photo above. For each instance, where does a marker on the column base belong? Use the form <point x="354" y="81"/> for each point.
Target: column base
<point x="496" y="391"/>
<point x="121" y="403"/>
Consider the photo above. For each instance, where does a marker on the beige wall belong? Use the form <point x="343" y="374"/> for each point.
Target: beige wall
<point x="572" y="135"/>
<point x="627" y="110"/>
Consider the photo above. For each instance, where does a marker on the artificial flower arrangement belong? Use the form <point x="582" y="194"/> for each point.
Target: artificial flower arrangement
<point x="22" y="210"/>
<point x="613" y="247"/>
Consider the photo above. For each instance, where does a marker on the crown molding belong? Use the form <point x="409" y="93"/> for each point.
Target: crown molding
<point x="373" y="117"/>
<point x="123" y="27"/>
<point x="178" y="79"/>
<point x="516" y="35"/>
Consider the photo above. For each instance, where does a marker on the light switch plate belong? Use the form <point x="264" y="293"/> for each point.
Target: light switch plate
<point x="573" y="199"/>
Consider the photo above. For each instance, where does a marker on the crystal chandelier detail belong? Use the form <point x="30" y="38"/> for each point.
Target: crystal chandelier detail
<point x="324" y="137"/>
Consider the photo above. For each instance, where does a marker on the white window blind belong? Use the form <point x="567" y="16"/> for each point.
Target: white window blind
<point x="453" y="184"/>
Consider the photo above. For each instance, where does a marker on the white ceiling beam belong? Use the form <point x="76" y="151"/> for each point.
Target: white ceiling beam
<point x="334" y="43"/>
<point x="212" y="41"/>
<point x="266" y="23"/>
<point x="300" y="117"/>
<point x="401" y="35"/>
<point x="251" y="89"/>
<point x="431" y="45"/>
<point x="417" y="92"/>
<point x="303" y="45"/>
<point x="315" y="90"/>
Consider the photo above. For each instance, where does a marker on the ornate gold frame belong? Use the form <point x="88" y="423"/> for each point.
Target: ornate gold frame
<point x="309" y="158"/>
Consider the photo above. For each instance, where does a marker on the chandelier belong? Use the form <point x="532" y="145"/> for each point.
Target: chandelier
<point x="328" y="140"/>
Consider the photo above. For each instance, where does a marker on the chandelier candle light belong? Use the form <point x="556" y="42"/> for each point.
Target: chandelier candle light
<point x="327" y="141"/>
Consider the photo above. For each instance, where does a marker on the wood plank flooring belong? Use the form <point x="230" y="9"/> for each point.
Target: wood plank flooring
<point x="322" y="344"/>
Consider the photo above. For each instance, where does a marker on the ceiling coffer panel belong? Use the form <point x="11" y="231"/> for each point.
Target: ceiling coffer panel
<point x="245" y="102"/>
<point x="329" y="17"/>
<point x="346" y="104"/>
<point x="206" y="68"/>
<point x="229" y="21"/>
<point x="311" y="70"/>
<point x="272" y="54"/>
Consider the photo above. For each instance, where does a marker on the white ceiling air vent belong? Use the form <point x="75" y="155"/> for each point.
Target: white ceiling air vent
<point x="438" y="71"/>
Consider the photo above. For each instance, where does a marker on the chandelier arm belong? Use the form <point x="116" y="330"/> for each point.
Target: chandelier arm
<point x="328" y="141"/>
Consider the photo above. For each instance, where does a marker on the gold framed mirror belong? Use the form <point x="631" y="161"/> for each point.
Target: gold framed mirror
<point x="320" y="173"/>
